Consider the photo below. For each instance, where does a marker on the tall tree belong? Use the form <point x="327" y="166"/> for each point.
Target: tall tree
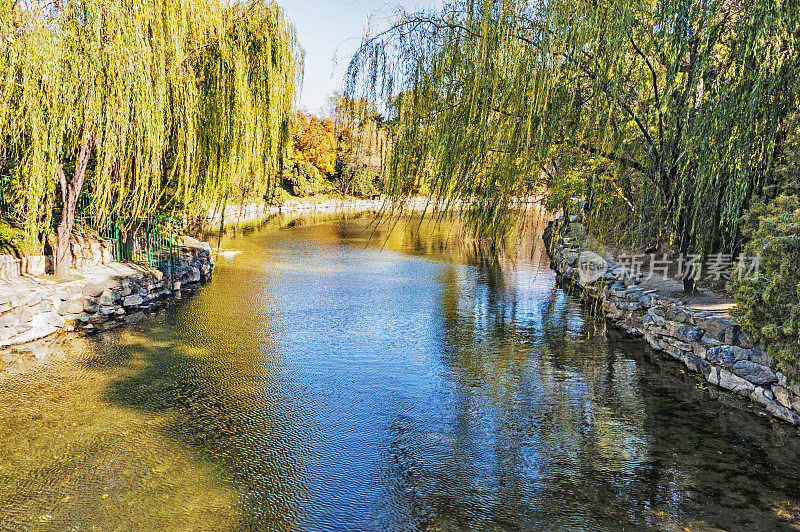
<point x="138" y="97"/>
<point x="677" y="103"/>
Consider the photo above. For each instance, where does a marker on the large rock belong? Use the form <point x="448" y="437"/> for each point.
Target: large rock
<point x="71" y="307"/>
<point x="725" y="379"/>
<point x="696" y="364"/>
<point x="674" y="351"/>
<point x="683" y="346"/>
<point x="781" y="412"/>
<point x="786" y="397"/>
<point x="721" y="356"/>
<point x="762" y="396"/>
<point x="721" y="329"/>
<point x="699" y="350"/>
<point x="93" y="290"/>
<point x="39" y="327"/>
<point x="690" y="334"/>
<point x="786" y="383"/>
<point x="676" y="313"/>
<point x="758" y="356"/>
<point x="90" y="305"/>
<point x="133" y="300"/>
<point x="107" y="298"/>
<point x="633" y="306"/>
<point x="654" y="342"/>
<point x="652" y="321"/>
<point x="755" y="373"/>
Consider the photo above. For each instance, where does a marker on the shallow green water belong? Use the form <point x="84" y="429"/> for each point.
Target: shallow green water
<point x="326" y="381"/>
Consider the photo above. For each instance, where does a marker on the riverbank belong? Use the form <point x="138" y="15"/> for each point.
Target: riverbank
<point x="101" y="295"/>
<point x="104" y="294"/>
<point x="706" y="342"/>
<point x="242" y="214"/>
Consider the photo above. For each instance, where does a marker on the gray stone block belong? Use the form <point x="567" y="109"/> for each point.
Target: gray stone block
<point x="690" y="334"/>
<point x="762" y="396"/>
<point x="678" y="314"/>
<point x="786" y="397"/>
<point x="93" y="290"/>
<point x="696" y="364"/>
<point x="90" y="305"/>
<point x="721" y="356"/>
<point x="107" y="298"/>
<point x="755" y="373"/>
<point x="725" y="379"/>
<point x="133" y="300"/>
<point x="781" y="412"/>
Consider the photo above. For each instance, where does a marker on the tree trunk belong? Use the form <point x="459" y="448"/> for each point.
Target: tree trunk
<point x="62" y="255"/>
<point x="129" y="252"/>
<point x="690" y="275"/>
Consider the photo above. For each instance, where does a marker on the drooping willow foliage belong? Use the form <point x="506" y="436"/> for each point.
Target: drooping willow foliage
<point x="176" y="104"/>
<point x="670" y="110"/>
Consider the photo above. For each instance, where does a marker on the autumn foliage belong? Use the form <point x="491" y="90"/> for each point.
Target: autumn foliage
<point x="315" y="142"/>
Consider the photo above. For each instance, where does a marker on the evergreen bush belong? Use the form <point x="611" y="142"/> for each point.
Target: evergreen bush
<point x="768" y="304"/>
<point x="304" y="180"/>
<point x="362" y="184"/>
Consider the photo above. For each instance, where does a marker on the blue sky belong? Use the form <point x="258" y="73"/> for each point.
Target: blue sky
<point x="330" y="29"/>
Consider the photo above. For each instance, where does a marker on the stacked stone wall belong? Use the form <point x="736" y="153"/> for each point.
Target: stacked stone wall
<point x="103" y="300"/>
<point x="711" y="346"/>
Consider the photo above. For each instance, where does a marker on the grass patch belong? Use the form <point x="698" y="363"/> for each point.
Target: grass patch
<point x="12" y="238"/>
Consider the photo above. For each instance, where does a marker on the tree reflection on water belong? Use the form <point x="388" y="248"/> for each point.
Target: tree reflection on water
<point x="337" y="375"/>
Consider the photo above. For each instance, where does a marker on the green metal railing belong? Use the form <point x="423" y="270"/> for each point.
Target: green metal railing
<point x="6" y="207"/>
<point x="150" y="241"/>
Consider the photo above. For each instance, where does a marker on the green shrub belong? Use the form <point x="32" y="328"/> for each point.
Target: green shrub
<point x="277" y="197"/>
<point x="768" y="305"/>
<point x="303" y="180"/>
<point x="362" y="184"/>
<point x="12" y="239"/>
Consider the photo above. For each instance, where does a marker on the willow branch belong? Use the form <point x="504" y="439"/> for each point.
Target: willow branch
<point x="655" y="90"/>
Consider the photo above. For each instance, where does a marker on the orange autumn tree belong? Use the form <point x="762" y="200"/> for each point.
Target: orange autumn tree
<point x="315" y="142"/>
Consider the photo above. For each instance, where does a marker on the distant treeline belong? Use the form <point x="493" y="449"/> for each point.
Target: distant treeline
<point x="344" y="151"/>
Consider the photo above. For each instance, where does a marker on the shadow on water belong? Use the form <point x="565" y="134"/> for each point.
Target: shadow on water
<point x="223" y="390"/>
<point x="496" y="404"/>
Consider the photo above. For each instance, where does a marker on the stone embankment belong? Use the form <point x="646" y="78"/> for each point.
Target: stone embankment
<point x="102" y="295"/>
<point x="715" y="347"/>
<point x="235" y="214"/>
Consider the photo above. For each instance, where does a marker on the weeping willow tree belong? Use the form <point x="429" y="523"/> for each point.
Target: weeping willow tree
<point x="669" y="110"/>
<point x="137" y="99"/>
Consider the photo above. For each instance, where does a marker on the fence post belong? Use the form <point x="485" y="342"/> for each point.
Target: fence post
<point x="221" y="226"/>
<point x="147" y="240"/>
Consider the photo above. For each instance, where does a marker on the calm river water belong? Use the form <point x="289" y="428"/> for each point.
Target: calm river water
<point x="326" y="381"/>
